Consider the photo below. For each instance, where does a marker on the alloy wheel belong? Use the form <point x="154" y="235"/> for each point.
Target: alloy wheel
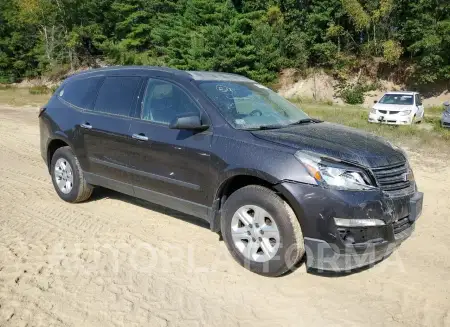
<point x="255" y="233"/>
<point x="63" y="175"/>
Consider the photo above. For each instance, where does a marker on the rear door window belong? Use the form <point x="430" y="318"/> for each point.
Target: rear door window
<point x="81" y="92"/>
<point x="118" y="95"/>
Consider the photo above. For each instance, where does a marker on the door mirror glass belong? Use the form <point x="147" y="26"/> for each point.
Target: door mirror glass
<point x="375" y="101"/>
<point x="191" y="122"/>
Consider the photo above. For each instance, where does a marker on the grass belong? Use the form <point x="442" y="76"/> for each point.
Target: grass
<point x="41" y="89"/>
<point x="434" y="110"/>
<point x="20" y="97"/>
<point x="426" y="135"/>
<point x="5" y="86"/>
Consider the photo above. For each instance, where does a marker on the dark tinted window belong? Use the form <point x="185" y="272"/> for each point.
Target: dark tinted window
<point x="81" y="93"/>
<point x="165" y="101"/>
<point x="117" y="95"/>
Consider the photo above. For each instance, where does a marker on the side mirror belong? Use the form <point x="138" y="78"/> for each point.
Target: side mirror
<point x="447" y="104"/>
<point x="188" y="122"/>
<point x="375" y="101"/>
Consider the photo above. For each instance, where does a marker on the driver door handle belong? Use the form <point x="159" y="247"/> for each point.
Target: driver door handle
<point x="140" y="137"/>
<point x="86" y="125"/>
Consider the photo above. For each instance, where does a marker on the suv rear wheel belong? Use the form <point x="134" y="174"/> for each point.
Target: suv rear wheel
<point x="261" y="231"/>
<point x="68" y="178"/>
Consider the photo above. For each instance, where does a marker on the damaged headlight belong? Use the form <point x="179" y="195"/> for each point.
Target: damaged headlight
<point x="335" y="174"/>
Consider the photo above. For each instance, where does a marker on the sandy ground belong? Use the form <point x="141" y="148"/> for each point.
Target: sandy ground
<point x="116" y="261"/>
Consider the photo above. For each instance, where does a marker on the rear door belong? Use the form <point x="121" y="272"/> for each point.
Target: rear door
<point x="170" y="167"/>
<point x="78" y="96"/>
<point x="106" y="134"/>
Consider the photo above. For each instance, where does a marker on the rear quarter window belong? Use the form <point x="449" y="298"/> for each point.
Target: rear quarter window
<point x="81" y="92"/>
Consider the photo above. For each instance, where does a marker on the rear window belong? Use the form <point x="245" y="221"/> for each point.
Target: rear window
<point x="118" y="95"/>
<point x="81" y="92"/>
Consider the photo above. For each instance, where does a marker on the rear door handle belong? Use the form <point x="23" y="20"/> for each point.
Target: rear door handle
<point x="86" y="126"/>
<point x="140" y="137"/>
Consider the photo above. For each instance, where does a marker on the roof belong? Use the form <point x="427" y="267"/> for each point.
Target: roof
<point x="402" y="92"/>
<point x="216" y="76"/>
<point x="196" y="75"/>
<point x="133" y="68"/>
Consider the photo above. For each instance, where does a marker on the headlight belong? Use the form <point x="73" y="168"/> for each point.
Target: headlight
<point x="335" y="174"/>
<point x="373" y="111"/>
<point x="405" y="113"/>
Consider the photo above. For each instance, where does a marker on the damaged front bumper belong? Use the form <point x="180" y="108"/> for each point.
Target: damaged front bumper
<point x="376" y="224"/>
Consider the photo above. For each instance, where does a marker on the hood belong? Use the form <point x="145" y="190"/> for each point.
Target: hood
<point x="392" y="107"/>
<point x="340" y="142"/>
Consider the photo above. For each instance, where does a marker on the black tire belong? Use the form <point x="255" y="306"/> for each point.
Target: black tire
<point x="81" y="190"/>
<point x="292" y="246"/>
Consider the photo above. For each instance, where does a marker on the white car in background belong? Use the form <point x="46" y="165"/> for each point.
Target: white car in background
<point x="398" y="108"/>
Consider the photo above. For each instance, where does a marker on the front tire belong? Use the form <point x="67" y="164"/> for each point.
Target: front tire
<point x="68" y="177"/>
<point x="261" y="231"/>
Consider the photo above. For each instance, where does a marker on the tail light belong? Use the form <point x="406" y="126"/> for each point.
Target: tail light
<point x="41" y="111"/>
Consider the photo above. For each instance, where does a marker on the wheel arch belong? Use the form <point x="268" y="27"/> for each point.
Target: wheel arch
<point x="53" y="145"/>
<point x="233" y="182"/>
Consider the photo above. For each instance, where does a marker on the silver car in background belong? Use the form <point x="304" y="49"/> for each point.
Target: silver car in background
<point x="445" y="120"/>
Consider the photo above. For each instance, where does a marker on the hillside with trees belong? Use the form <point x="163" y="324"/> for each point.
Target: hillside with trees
<point x="251" y="37"/>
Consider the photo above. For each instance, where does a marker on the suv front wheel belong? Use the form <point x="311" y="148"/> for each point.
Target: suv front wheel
<point x="68" y="178"/>
<point x="261" y="231"/>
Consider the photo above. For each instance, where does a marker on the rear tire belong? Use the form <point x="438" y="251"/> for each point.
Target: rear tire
<point x="68" y="177"/>
<point x="252" y="210"/>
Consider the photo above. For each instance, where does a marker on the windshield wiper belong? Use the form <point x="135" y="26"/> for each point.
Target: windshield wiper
<point x="278" y="126"/>
<point x="265" y="127"/>
<point x="307" y="121"/>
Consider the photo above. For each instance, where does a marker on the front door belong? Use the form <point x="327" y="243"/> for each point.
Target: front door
<point x="106" y="133"/>
<point x="420" y="107"/>
<point x="170" y="167"/>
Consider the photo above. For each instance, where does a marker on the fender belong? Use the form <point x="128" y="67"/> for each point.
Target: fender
<point x="57" y="136"/>
<point x="223" y="183"/>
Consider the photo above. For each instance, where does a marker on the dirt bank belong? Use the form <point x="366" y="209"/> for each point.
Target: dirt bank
<point x="319" y="86"/>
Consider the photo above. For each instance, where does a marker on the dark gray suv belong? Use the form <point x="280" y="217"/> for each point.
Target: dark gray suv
<point x="277" y="184"/>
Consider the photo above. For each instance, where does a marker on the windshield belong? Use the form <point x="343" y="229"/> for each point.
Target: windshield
<point x="249" y="105"/>
<point x="401" y="99"/>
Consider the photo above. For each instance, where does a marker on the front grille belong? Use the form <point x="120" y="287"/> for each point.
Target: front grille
<point x="401" y="224"/>
<point x="388" y="112"/>
<point x="393" y="180"/>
